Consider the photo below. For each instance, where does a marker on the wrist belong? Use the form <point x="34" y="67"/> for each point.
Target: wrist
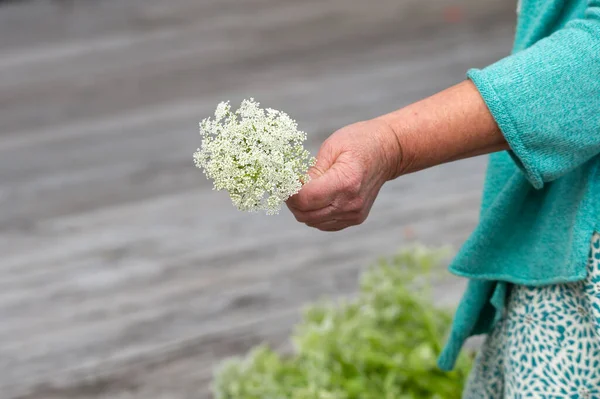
<point x="398" y="157"/>
<point x="451" y="125"/>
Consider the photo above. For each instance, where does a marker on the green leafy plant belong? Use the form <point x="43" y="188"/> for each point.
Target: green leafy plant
<point x="381" y="345"/>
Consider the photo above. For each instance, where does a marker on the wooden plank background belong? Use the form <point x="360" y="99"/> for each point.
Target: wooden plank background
<point x="122" y="275"/>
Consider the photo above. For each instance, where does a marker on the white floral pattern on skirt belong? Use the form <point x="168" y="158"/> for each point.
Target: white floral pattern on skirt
<point x="546" y="345"/>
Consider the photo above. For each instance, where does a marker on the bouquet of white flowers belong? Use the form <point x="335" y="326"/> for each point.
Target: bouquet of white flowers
<point x="255" y="155"/>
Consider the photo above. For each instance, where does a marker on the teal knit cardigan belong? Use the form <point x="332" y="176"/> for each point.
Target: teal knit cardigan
<point x="541" y="199"/>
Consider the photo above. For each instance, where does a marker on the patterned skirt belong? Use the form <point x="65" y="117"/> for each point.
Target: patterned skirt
<point x="546" y="345"/>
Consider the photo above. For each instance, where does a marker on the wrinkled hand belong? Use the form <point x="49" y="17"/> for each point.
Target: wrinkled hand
<point x="352" y="165"/>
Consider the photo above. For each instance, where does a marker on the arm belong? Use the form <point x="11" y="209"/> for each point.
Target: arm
<point x="358" y="159"/>
<point x="545" y="102"/>
<point x="451" y="125"/>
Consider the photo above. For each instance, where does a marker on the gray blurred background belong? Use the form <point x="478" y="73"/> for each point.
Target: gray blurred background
<point x="122" y="275"/>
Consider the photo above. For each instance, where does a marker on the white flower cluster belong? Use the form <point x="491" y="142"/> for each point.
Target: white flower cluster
<point x="256" y="155"/>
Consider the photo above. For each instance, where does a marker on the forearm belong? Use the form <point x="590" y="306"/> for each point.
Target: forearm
<point x="448" y="126"/>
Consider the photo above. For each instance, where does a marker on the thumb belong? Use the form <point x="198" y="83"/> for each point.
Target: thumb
<point x="325" y="158"/>
<point x="321" y="166"/>
<point x="320" y="190"/>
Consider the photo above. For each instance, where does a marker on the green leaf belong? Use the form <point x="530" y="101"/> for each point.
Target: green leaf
<point x="384" y="344"/>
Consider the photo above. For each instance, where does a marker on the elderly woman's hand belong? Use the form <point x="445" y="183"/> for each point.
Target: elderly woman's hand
<point x="352" y="165"/>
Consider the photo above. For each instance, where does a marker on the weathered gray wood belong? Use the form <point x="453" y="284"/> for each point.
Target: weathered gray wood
<point x="122" y="274"/>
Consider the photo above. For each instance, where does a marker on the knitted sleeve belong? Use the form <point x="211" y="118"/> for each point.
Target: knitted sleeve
<point x="546" y="99"/>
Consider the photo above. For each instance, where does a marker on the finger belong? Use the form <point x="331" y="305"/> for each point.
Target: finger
<point x="318" y="169"/>
<point x="325" y="214"/>
<point x="318" y="193"/>
<point x="314" y="172"/>
<point x="332" y="222"/>
<point x="320" y="215"/>
<point x="314" y="195"/>
<point x="332" y="225"/>
<point x="325" y="158"/>
<point x="334" y="229"/>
